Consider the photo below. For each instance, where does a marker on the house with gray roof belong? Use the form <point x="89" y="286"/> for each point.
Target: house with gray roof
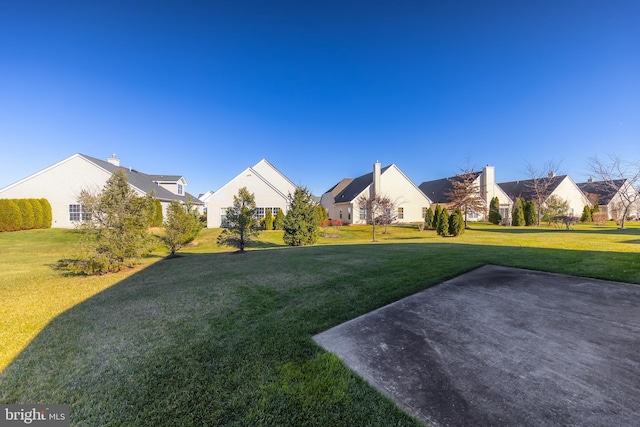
<point x="484" y="183"/>
<point x="612" y="197"/>
<point x="561" y="186"/>
<point x="62" y="183"/>
<point x="341" y="200"/>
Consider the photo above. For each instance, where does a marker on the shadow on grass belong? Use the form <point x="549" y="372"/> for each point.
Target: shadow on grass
<point x="204" y="338"/>
<point x="537" y="230"/>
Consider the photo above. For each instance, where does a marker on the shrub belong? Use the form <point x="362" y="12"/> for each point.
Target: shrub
<point x="530" y="217"/>
<point x="442" y="228"/>
<point x="10" y="215"/>
<point x="301" y="223"/>
<point x="587" y="215"/>
<point x="494" y="211"/>
<point x="456" y="223"/>
<point x="181" y="227"/>
<point x="428" y="219"/>
<point x="47" y="215"/>
<point x="38" y="213"/>
<point x="278" y="223"/>
<point x="26" y="210"/>
<point x="518" y="213"/>
<point x="268" y="220"/>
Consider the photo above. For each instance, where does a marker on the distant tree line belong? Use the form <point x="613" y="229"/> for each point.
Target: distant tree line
<point x="24" y="214"/>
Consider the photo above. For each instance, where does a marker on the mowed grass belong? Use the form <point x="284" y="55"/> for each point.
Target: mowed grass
<point x="217" y="338"/>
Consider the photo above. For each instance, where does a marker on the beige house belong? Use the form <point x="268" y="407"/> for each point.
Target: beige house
<point x="561" y="186"/>
<point x="341" y="201"/>
<point x="612" y="197"/>
<point x="486" y="187"/>
<point x="269" y="186"/>
<point x="62" y="183"/>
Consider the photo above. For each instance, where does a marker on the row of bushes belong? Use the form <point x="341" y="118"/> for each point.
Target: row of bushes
<point x="24" y="214"/>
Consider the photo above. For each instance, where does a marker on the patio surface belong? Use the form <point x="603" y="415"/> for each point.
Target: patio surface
<point x="502" y="346"/>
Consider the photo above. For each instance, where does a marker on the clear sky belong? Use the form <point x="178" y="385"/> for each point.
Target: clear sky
<point x="321" y="89"/>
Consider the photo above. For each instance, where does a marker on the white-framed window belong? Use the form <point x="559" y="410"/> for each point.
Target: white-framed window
<point x="363" y="214"/>
<point x="424" y="212"/>
<point x="400" y="213"/>
<point x="340" y="213"/>
<point x="223" y="217"/>
<point x="260" y="212"/>
<point x="180" y="189"/>
<point x="349" y="214"/>
<point x="77" y="213"/>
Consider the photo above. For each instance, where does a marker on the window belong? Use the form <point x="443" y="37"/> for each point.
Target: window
<point x="223" y="217"/>
<point x="363" y="214"/>
<point x="259" y="213"/>
<point x="180" y="189"/>
<point x="349" y="214"/>
<point x="424" y="212"/>
<point x="77" y="213"/>
<point x="400" y="213"/>
<point x="340" y="213"/>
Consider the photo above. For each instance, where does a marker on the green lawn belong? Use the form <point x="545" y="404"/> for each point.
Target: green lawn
<point x="217" y="338"/>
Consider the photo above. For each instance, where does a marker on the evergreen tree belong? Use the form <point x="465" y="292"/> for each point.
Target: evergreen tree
<point x="530" y="213"/>
<point x="38" y="213"/>
<point x="241" y="221"/>
<point x="596" y="208"/>
<point x="181" y="227"/>
<point x="10" y="215"/>
<point x="48" y="216"/>
<point x="587" y="216"/>
<point x="436" y="216"/>
<point x="428" y="219"/>
<point x="321" y="214"/>
<point x="116" y="233"/>
<point x="26" y="210"/>
<point x="278" y="222"/>
<point x="456" y="223"/>
<point x="518" y="213"/>
<point x="442" y="228"/>
<point x="156" y="214"/>
<point x="301" y="225"/>
<point x="268" y="220"/>
<point x="494" y="211"/>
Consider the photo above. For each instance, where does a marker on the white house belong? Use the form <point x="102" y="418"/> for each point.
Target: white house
<point x="486" y="187"/>
<point x="561" y="186"/>
<point x="612" y="197"/>
<point x="341" y="201"/>
<point x="269" y="186"/>
<point x="62" y="183"/>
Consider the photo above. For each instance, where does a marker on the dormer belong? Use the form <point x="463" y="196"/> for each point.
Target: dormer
<point x="174" y="183"/>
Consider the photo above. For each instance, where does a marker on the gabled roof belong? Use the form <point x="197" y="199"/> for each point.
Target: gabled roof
<point x="143" y="182"/>
<point x="259" y="170"/>
<point x="356" y="186"/>
<point x="525" y="189"/>
<point x="437" y="190"/>
<point x="604" y="191"/>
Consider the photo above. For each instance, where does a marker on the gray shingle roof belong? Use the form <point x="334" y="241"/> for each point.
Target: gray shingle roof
<point x="145" y="182"/>
<point x="525" y="189"/>
<point x="604" y="191"/>
<point x="356" y="187"/>
<point x="437" y="190"/>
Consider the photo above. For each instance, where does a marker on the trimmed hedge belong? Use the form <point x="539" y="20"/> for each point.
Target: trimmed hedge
<point x="24" y="214"/>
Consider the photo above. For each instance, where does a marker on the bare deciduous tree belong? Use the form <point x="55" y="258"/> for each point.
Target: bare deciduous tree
<point x="622" y="178"/>
<point x="541" y="182"/>
<point x="465" y="194"/>
<point x="376" y="211"/>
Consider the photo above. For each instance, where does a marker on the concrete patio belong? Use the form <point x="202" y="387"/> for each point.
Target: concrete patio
<point x="504" y="346"/>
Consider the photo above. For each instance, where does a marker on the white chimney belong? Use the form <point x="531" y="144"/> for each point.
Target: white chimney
<point x="487" y="183"/>
<point x="114" y="160"/>
<point x="376" y="179"/>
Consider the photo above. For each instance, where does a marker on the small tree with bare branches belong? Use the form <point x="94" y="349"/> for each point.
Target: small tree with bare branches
<point x="622" y="178"/>
<point x="465" y="194"/>
<point x="375" y="208"/>
<point x="541" y="182"/>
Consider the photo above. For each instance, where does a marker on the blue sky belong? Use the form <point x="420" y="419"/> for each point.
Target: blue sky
<point x="321" y="89"/>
